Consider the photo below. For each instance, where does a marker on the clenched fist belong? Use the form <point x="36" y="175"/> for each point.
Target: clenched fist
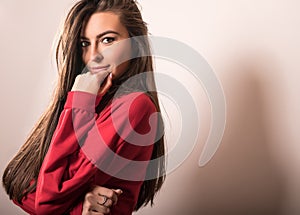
<point x="96" y="83"/>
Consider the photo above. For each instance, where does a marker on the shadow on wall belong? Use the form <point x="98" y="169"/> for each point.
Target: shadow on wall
<point x="242" y="178"/>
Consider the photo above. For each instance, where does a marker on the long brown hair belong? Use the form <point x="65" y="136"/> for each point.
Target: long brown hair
<point x="24" y="167"/>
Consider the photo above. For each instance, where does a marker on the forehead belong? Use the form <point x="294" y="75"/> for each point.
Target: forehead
<point x="102" y="21"/>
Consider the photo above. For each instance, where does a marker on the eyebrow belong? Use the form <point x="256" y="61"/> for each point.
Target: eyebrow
<point x="102" y="34"/>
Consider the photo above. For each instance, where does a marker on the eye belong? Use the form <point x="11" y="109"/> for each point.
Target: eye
<point x="108" y="40"/>
<point x="84" y="43"/>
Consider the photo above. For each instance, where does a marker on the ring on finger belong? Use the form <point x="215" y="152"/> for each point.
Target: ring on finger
<point x="105" y="198"/>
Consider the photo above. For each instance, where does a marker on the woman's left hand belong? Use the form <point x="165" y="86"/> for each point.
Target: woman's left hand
<point x="99" y="200"/>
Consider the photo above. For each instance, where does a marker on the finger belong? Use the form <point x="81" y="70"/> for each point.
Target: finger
<point x="104" y="200"/>
<point x="102" y="75"/>
<point x="102" y="79"/>
<point x="93" y="204"/>
<point x="98" y="190"/>
<point x="104" y="88"/>
<point x="118" y="191"/>
<point x="101" y="208"/>
<point x="103" y="191"/>
<point x="94" y="211"/>
<point x="91" y="212"/>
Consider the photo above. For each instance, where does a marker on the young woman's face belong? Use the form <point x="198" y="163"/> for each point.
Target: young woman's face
<point x="101" y="49"/>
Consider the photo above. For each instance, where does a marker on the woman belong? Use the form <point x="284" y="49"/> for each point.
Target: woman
<point x="65" y="167"/>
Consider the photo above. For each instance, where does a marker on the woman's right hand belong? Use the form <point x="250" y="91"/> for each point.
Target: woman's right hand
<point x="99" y="200"/>
<point x="90" y="82"/>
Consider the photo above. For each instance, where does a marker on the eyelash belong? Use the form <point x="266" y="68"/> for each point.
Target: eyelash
<point x="112" y="39"/>
<point x="86" y="43"/>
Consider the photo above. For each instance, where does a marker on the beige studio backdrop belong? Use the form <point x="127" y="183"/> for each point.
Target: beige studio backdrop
<point x="254" y="49"/>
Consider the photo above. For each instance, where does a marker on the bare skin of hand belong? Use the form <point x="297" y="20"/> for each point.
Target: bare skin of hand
<point x="100" y="200"/>
<point x="90" y="82"/>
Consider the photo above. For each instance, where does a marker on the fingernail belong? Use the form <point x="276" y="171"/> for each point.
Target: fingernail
<point x="119" y="191"/>
<point x="110" y="75"/>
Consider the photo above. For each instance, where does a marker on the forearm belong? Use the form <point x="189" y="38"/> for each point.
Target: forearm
<point x="58" y="186"/>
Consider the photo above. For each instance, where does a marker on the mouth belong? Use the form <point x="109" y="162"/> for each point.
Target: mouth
<point x="96" y="69"/>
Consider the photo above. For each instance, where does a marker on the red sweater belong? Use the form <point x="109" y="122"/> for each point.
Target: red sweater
<point x="76" y="152"/>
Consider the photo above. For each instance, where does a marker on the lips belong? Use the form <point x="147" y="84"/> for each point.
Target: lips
<point x="98" y="68"/>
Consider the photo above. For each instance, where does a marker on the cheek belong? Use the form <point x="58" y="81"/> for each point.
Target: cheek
<point x="119" y="57"/>
<point x="84" y="57"/>
<point x="120" y="53"/>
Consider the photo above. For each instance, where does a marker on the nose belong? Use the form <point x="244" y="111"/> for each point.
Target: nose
<point x="95" y="54"/>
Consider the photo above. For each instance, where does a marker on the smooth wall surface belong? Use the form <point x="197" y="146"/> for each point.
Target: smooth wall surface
<point x="253" y="47"/>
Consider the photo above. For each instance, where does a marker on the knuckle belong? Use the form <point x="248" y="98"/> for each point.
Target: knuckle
<point x="95" y="191"/>
<point x="88" y="196"/>
<point x="87" y="205"/>
<point x="110" y="194"/>
<point x="77" y="78"/>
<point x="80" y="75"/>
<point x="109" y="203"/>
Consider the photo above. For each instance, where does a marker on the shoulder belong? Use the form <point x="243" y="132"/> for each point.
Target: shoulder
<point x="134" y="107"/>
<point x="135" y="103"/>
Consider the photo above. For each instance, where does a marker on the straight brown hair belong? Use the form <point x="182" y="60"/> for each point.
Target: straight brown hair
<point x="25" y="166"/>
